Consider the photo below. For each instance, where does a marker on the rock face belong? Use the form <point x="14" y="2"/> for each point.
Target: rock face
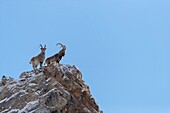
<point x="52" y="89"/>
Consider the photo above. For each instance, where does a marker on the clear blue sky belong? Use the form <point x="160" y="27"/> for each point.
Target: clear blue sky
<point x="122" y="47"/>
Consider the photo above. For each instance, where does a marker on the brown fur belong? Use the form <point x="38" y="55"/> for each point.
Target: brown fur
<point x="4" y="79"/>
<point x="35" y="61"/>
<point x="57" y="57"/>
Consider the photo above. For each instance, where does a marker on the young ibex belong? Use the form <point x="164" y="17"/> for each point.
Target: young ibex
<point x="58" y="56"/>
<point x="35" y="61"/>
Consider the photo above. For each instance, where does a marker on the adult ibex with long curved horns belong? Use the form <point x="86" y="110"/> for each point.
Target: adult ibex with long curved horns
<point x="58" y="56"/>
<point x="35" y="61"/>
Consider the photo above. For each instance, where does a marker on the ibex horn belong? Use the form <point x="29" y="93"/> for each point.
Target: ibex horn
<point x="60" y="45"/>
<point x="41" y="46"/>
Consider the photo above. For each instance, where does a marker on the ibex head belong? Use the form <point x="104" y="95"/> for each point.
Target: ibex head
<point x="43" y="48"/>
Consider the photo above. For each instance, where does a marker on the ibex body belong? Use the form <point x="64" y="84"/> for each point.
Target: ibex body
<point x="35" y="61"/>
<point x="57" y="57"/>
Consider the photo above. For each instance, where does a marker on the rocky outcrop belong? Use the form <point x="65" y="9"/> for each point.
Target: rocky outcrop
<point x="52" y="89"/>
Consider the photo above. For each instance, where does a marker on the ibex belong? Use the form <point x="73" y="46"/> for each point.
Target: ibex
<point x="35" y="61"/>
<point x="4" y="79"/>
<point x="58" y="56"/>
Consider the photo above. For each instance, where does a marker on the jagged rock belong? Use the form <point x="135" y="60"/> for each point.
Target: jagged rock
<point x="52" y="89"/>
